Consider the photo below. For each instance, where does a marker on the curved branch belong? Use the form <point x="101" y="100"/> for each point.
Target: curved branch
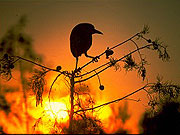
<point x="98" y="78"/>
<point x="124" y="41"/>
<point x="37" y="64"/>
<point x="115" y="62"/>
<point x="117" y="100"/>
<point x="52" y="86"/>
<point x="130" y="39"/>
<point x="110" y="49"/>
<point x="137" y="48"/>
<point x="92" y="70"/>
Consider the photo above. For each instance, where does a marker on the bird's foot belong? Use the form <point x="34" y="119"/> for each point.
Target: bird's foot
<point x="78" y="70"/>
<point x="95" y="59"/>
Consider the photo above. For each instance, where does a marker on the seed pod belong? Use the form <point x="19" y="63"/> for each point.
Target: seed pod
<point x="58" y="68"/>
<point x="6" y="56"/>
<point x="11" y="66"/>
<point x="101" y="87"/>
<point x="108" y="53"/>
<point x="155" y="45"/>
<point x="149" y="41"/>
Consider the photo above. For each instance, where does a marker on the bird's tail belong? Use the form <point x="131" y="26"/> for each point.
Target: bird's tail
<point x="76" y="63"/>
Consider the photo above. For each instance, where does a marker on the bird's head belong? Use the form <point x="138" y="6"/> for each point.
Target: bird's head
<point x="87" y="28"/>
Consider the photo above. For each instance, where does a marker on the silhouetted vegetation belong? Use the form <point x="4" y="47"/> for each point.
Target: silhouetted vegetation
<point x="163" y="116"/>
<point x="86" y="125"/>
<point x="16" y="47"/>
<point x="16" y="42"/>
<point x="122" y="116"/>
<point x="4" y="105"/>
<point x="166" y="121"/>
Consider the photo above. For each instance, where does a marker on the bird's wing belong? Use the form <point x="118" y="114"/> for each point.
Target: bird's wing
<point x="75" y="44"/>
<point x="80" y="43"/>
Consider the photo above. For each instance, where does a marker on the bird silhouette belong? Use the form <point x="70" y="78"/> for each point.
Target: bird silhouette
<point x="81" y="39"/>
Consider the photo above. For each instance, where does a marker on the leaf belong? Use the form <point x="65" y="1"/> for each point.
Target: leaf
<point x="129" y="63"/>
<point x="108" y="52"/>
<point x="145" y="29"/>
<point x="37" y="83"/>
<point x="113" y="62"/>
<point x="6" y="65"/>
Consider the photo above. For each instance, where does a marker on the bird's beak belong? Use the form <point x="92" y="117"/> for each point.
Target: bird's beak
<point x="96" y="31"/>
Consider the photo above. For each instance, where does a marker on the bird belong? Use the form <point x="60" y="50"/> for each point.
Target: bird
<point x="81" y="39"/>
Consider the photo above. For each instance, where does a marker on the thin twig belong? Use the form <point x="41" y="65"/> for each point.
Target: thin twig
<point x="124" y="41"/>
<point x="117" y="100"/>
<point x="115" y="62"/>
<point x="136" y="100"/>
<point x="108" y="63"/>
<point x="98" y="78"/>
<point x="137" y="48"/>
<point x="110" y="49"/>
<point x="66" y="82"/>
<point x="52" y="86"/>
<point x="37" y="64"/>
<point x="92" y="70"/>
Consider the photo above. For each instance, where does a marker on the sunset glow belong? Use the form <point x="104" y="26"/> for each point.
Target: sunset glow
<point x="56" y="110"/>
<point x="43" y="105"/>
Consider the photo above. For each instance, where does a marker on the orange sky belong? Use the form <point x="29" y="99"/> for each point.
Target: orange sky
<point x="51" y="21"/>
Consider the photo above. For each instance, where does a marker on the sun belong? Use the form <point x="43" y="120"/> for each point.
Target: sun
<point x="56" y="110"/>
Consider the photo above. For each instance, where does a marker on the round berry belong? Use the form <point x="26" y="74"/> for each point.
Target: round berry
<point x="149" y="41"/>
<point x="101" y="87"/>
<point x="11" y="66"/>
<point x="58" y="68"/>
<point x="6" y="56"/>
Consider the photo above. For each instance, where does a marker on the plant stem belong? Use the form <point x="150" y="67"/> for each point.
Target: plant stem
<point x="113" y="101"/>
<point x="72" y="103"/>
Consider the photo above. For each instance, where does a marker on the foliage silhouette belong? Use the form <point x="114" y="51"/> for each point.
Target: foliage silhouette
<point x="4" y="105"/>
<point x="162" y="92"/>
<point x="165" y="121"/>
<point x="122" y="115"/>
<point x="1" y="130"/>
<point x="163" y="116"/>
<point x="78" y="76"/>
<point x="87" y="125"/>
<point x="17" y="42"/>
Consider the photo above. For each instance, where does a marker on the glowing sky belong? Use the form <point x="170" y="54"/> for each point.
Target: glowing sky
<point x="51" y="21"/>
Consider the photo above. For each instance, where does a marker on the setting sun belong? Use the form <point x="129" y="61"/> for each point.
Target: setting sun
<point x="89" y="67"/>
<point x="56" y="110"/>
